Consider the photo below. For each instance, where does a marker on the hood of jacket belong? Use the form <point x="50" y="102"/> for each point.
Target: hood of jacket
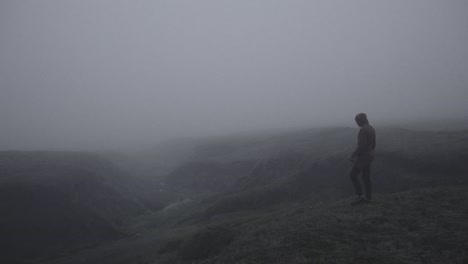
<point x="361" y="119"/>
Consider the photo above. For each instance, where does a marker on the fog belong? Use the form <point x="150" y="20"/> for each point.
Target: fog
<point x="97" y="74"/>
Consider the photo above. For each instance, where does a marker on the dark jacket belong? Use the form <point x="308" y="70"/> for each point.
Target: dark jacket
<point x="364" y="153"/>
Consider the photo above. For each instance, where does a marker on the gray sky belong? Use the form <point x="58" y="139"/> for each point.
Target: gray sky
<point x="91" y="74"/>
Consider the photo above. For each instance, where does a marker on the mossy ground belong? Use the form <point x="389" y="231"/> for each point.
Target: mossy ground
<point x="423" y="226"/>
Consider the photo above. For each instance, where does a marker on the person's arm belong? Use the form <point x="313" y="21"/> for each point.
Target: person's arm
<point x="362" y="144"/>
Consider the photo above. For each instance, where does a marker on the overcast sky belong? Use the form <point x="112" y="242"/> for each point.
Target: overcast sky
<point x="95" y="73"/>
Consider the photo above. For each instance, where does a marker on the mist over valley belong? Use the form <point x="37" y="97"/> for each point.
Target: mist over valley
<point x="233" y="132"/>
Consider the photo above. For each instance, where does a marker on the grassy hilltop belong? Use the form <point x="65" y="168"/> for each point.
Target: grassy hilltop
<point x="423" y="226"/>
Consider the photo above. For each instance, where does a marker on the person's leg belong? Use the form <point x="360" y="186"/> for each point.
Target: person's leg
<point x="354" y="178"/>
<point x="366" y="171"/>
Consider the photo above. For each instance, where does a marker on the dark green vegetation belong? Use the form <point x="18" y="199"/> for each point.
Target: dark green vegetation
<point x="265" y="198"/>
<point x="53" y="201"/>
<point x="424" y="226"/>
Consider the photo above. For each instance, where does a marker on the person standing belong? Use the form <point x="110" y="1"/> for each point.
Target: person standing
<point x="362" y="159"/>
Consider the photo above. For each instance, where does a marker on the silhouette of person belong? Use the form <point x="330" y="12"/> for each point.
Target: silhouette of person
<point x="362" y="159"/>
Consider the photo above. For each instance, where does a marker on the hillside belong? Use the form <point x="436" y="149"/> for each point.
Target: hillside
<point x="236" y="199"/>
<point x="246" y="173"/>
<point x="54" y="201"/>
<point x="422" y="226"/>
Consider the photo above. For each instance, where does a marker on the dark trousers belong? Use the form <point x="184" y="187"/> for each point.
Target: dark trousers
<point x="366" y="179"/>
